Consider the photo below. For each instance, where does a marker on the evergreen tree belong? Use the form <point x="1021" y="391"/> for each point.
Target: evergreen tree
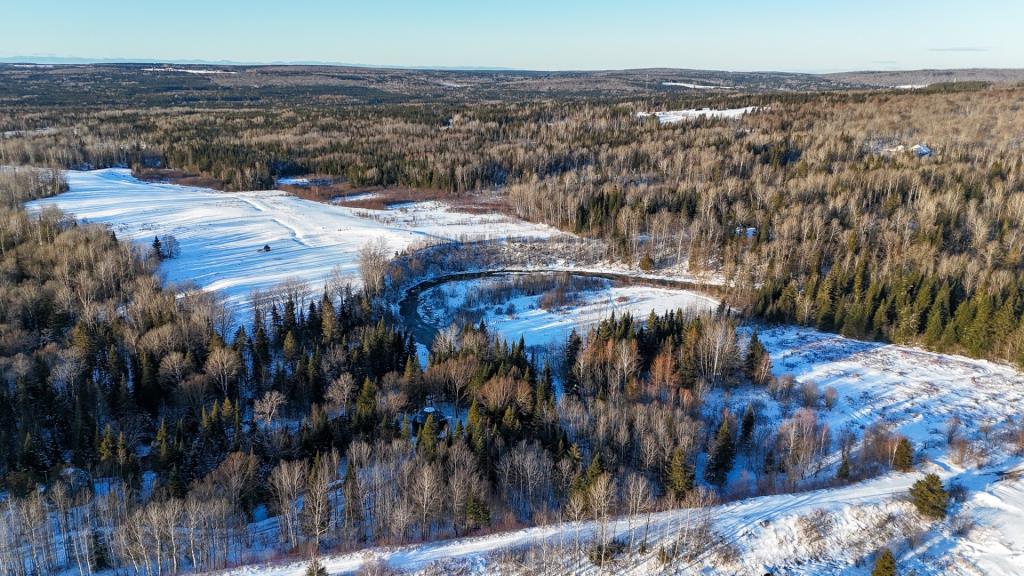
<point x="157" y="250"/>
<point x="747" y="426"/>
<point x="722" y="455"/>
<point x="426" y="439"/>
<point x="903" y="458"/>
<point x="756" y="353"/>
<point x="929" y="497"/>
<point x="679" y="476"/>
<point x="844" y="467"/>
<point x="885" y="564"/>
<point x="366" y="406"/>
<point x="938" y="315"/>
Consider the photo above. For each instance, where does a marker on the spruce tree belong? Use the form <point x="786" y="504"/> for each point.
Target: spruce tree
<point x="844" y="468"/>
<point x="885" y="564"/>
<point x="747" y="427"/>
<point x="755" y="352"/>
<point x="679" y="476"/>
<point x="929" y="497"/>
<point x="426" y="439"/>
<point x="903" y="458"/>
<point x="366" y="406"/>
<point x="722" y="455"/>
<point x="157" y="251"/>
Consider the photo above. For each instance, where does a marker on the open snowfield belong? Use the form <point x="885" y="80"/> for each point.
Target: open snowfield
<point x="695" y="86"/>
<point x="674" y="116"/>
<point x="523" y="315"/>
<point x="220" y="233"/>
<point x="916" y="392"/>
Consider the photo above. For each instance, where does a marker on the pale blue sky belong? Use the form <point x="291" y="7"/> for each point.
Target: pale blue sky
<point x="796" y="35"/>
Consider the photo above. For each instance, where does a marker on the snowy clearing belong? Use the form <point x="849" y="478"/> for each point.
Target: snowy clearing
<point x="189" y="71"/>
<point x="674" y="116"/>
<point x="522" y="315"/>
<point x="220" y="233"/>
<point x="695" y="86"/>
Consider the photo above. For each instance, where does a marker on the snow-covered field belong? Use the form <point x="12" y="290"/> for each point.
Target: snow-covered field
<point x="674" y="116"/>
<point x="916" y="392"/>
<point x="695" y="86"/>
<point x="523" y="316"/>
<point x="189" y="70"/>
<point x="220" y="233"/>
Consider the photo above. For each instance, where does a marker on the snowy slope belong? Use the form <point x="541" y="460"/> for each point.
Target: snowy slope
<point x="220" y="232"/>
<point x="768" y="533"/>
<point x="913" y="390"/>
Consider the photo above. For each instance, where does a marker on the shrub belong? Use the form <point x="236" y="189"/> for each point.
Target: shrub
<point x="885" y="564"/>
<point x="929" y="497"/>
<point x="646" y="263"/>
<point x="601" y="554"/>
<point x="315" y="568"/>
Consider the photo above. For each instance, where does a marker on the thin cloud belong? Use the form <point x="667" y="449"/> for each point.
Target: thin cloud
<point x="959" y="49"/>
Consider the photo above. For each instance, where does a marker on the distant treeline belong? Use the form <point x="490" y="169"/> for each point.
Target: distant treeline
<point x="814" y="205"/>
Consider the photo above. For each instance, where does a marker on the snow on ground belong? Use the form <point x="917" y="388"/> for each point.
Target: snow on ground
<point x="769" y="534"/>
<point x="694" y="86"/>
<point x="189" y="70"/>
<point x="220" y="233"/>
<point x="523" y="316"/>
<point x="674" y="116"/>
<point x="915" y="391"/>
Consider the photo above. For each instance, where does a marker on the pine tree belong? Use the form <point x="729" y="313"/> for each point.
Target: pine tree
<point x="747" y="427"/>
<point x="162" y="446"/>
<point x="572" y="350"/>
<point x="328" y="320"/>
<point x="290" y="346"/>
<point x="721" y="460"/>
<point x="366" y="406"/>
<point x="755" y="352"/>
<point x="844" y="468"/>
<point x="477" y="512"/>
<point x="426" y="439"/>
<point x="929" y="497"/>
<point x="938" y="315"/>
<point x="903" y="458"/>
<point x="885" y="564"/>
<point x="679" y="476"/>
<point x="157" y="251"/>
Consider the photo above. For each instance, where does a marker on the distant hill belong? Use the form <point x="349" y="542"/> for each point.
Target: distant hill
<point x="222" y="83"/>
<point x="914" y="78"/>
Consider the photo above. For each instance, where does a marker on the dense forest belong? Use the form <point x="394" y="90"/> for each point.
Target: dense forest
<point x="160" y="433"/>
<point x="147" y="430"/>
<point x="815" y="204"/>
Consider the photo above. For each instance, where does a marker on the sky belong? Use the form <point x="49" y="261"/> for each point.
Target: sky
<point x="787" y="35"/>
